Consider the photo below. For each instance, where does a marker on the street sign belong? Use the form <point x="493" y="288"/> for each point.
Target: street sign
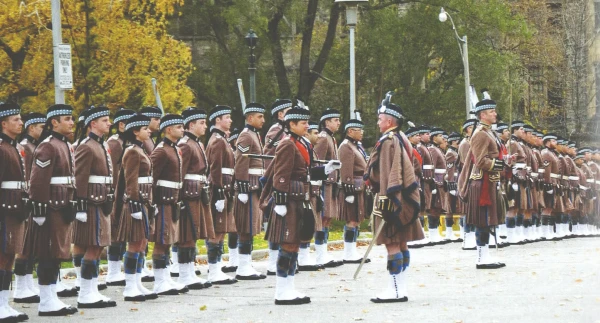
<point x="65" y="71"/>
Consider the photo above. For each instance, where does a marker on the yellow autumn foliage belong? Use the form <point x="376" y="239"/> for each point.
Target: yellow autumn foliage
<point x="130" y="47"/>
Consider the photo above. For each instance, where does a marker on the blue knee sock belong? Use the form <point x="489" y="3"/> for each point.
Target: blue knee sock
<point x="483" y="236"/>
<point x="319" y="237"/>
<point x="130" y="262"/>
<point x="395" y="263"/>
<point x="283" y="263"/>
<point x="406" y="261"/>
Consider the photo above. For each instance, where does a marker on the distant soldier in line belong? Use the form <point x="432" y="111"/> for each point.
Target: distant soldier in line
<point x="439" y="192"/>
<point x="478" y="183"/>
<point x="196" y="221"/>
<point x="305" y="262"/>
<point x="115" y="277"/>
<point x="93" y="179"/>
<point x="133" y="208"/>
<point x="551" y="181"/>
<point x="414" y="137"/>
<point x="51" y="193"/>
<point x="516" y="190"/>
<point x="278" y="110"/>
<point x="14" y="208"/>
<point x="469" y="241"/>
<point x="326" y="149"/>
<point x="352" y="205"/>
<point x="24" y="289"/>
<point x="451" y="179"/>
<point x="292" y="218"/>
<point x="167" y="182"/>
<point x="391" y="175"/>
<point x="248" y="171"/>
<point x="221" y="163"/>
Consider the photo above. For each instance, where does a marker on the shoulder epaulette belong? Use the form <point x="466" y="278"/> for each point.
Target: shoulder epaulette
<point x="114" y="137"/>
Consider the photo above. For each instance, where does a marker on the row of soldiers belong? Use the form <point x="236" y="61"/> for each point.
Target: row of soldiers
<point x="128" y="190"/>
<point x="549" y="191"/>
<point x="69" y="195"/>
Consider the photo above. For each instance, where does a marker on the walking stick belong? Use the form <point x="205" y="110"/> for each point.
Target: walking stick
<point x="377" y="232"/>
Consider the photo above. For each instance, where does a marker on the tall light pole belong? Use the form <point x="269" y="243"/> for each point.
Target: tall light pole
<point x="251" y="40"/>
<point x="464" y="53"/>
<point x="351" y="20"/>
<point x="59" y="93"/>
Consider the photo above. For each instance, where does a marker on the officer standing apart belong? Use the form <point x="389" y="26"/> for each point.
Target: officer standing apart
<point x="391" y="175"/>
<point x="479" y="178"/>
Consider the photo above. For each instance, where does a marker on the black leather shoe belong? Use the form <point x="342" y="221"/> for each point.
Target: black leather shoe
<point x="295" y="301"/>
<point x="98" y="304"/>
<point x="69" y="310"/>
<point x="495" y="265"/>
<point x="391" y="300"/>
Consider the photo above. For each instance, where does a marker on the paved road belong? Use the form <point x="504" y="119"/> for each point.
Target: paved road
<point x="543" y="282"/>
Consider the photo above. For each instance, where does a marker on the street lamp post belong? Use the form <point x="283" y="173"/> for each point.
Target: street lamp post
<point x="351" y="20"/>
<point x="464" y="52"/>
<point x="251" y="40"/>
<point x="59" y="93"/>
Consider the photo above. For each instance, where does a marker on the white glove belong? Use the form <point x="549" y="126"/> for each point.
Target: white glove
<point x="281" y="210"/>
<point x="515" y="187"/>
<point x="332" y="165"/>
<point x="81" y="216"/>
<point x="433" y="192"/>
<point x="137" y="215"/>
<point x="243" y="197"/>
<point x="155" y="211"/>
<point x="220" y="205"/>
<point x="350" y="199"/>
<point x="550" y="191"/>
<point x="453" y="193"/>
<point x="39" y="220"/>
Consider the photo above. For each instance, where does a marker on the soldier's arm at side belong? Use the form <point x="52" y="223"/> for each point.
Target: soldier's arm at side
<point x="131" y="167"/>
<point x="215" y="160"/>
<point x="283" y="164"/>
<point x="346" y="155"/>
<point x="83" y="163"/>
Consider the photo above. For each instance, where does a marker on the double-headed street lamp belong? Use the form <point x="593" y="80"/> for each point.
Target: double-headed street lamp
<point x="251" y="40"/>
<point x="351" y="20"/>
<point x="464" y="53"/>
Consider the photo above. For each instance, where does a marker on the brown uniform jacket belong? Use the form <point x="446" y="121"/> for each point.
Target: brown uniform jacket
<point x="53" y="158"/>
<point x="552" y="175"/>
<point x="326" y="148"/>
<point x="12" y="171"/>
<point x="115" y="150"/>
<point x="426" y="180"/>
<point x="270" y="137"/>
<point x="438" y="160"/>
<point x="221" y="158"/>
<point x="354" y="165"/>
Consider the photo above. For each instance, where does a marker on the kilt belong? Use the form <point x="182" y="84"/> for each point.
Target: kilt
<point x="53" y="239"/>
<point x="196" y="222"/>
<point x="393" y="235"/>
<point x="330" y="208"/>
<point x="12" y="235"/>
<point x="165" y="230"/>
<point x="130" y="229"/>
<point x="286" y="229"/>
<point x="355" y="211"/>
<point x="95" y="231"/>
<point x="224" y="222"/>
<point x="248" y="217"/>
<point x="482" y="216"/>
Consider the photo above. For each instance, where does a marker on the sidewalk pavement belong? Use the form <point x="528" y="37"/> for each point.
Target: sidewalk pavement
<point x="555" y="281"/>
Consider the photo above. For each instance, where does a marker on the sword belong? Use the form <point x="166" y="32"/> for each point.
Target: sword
<point x="241" y="91"/>
<point x="157" y="96"/>
<point x="377" y="232"/>
<point x="318" y="161"/>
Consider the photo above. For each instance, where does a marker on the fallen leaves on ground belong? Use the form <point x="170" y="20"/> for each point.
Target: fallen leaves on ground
<point x="203" y="308"/>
